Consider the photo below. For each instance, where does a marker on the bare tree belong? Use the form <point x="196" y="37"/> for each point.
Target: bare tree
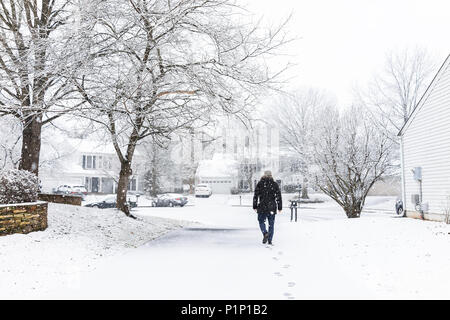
<point x="395" y="91"/>
<point x="166" y="65"/>
<point x="248" y="167"/>
<point x="295" y="115"/>
<point x="35" y="53"/>
<point x="10" y="138"/>
<point x="350" y="155"/>
<point x="159" y="164"/>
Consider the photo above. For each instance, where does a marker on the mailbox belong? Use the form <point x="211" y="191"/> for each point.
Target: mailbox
<point x="293" y="208"/>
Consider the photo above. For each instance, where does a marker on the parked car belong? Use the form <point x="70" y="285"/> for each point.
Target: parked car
<point x="203" y="190"/>
<point x="244" y="190"/>
<point x="109" y="202"/>
<point x="169" y="200"/>
<point x="399" y="208"/>
<point x="72" y="190"/>
<point x="234" y="190"/>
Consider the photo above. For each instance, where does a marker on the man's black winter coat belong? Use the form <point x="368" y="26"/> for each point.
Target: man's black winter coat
<point x="268" y="193"/>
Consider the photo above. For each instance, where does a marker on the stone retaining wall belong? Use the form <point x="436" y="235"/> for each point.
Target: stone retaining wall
<point x="60" y="198"/>
<point x="23" y="217"/>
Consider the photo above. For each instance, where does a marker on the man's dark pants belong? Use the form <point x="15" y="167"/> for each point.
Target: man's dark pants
<point x="262" y="223"/>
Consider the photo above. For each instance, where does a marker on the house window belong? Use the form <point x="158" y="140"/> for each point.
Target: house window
<point x="132" y="185"/>
<point x="104" y="162"/>
<point x="89" y="162"/>
<point x="87" y="183"/>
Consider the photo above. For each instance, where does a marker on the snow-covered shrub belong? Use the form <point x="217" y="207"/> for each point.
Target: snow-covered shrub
<point x="18" y="186"/>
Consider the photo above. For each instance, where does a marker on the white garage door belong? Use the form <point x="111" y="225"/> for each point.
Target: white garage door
<point x="222" y="185"/>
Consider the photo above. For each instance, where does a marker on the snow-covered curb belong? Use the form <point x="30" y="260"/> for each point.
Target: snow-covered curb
<point x="75" y="240"/>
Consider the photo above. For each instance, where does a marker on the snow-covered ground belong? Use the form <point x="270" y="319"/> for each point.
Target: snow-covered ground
<point x="220" y="256"/>
<point x="76" y="240"/>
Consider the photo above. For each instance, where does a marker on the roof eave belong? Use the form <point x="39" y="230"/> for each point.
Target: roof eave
<point x="404" y="127"/>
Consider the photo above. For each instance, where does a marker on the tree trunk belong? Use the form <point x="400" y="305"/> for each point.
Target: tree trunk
<point x="305" y="189"/>
<point x="122" y="188"/>
<point x="250" y="178"/>
<point x="155" y="186"/>
<point x="191" y="182"/>
<point x="154" y="173"/>
<point x="31" y="146"/>
<point x="353" y="212"/>
<point x="250" y="183"/>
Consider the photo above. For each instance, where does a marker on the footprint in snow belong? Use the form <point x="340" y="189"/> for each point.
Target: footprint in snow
<point x="278" y="274"/>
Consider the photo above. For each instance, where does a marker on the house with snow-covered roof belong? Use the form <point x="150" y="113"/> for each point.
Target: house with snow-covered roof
<point x="425" y="152"/>
<point x="254" y="149"/>
<point x="220" y="173"/>
<point x="87" y="162"/>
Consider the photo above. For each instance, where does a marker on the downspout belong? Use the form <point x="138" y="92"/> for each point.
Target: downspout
<point x="402" y="163"/>
<point x="422" y="214"/>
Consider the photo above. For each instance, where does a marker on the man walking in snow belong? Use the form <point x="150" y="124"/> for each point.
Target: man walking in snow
<point x="268" y="193"/>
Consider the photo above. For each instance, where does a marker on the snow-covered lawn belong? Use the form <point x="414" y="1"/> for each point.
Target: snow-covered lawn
<point x="77" y="239"/>
<point x="220" y="255"/>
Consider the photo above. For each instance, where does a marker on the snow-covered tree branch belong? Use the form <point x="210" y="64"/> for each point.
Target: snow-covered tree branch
<point x="170" y="66"/>
<point x="350" y="155"/>
<point x="36" y="47"/>
<point x="395" y="91"/>
<point x="295" y="114"/>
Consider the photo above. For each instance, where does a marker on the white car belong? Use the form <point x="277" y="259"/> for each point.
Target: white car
<point x="203" y="190"/>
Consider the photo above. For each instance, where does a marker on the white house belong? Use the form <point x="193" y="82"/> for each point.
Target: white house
<point x="86" y="162"/>
<point x="425" y="151"/>
<point x="220" y="173"/>
<point x="257" y="146"/>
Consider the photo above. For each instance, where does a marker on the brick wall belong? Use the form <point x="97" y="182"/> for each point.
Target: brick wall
<point x="60" y="198"/>
<point x="23" y="218"/>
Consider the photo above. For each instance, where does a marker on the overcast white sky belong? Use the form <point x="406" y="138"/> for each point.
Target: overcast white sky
<point x="344" y="42"/>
